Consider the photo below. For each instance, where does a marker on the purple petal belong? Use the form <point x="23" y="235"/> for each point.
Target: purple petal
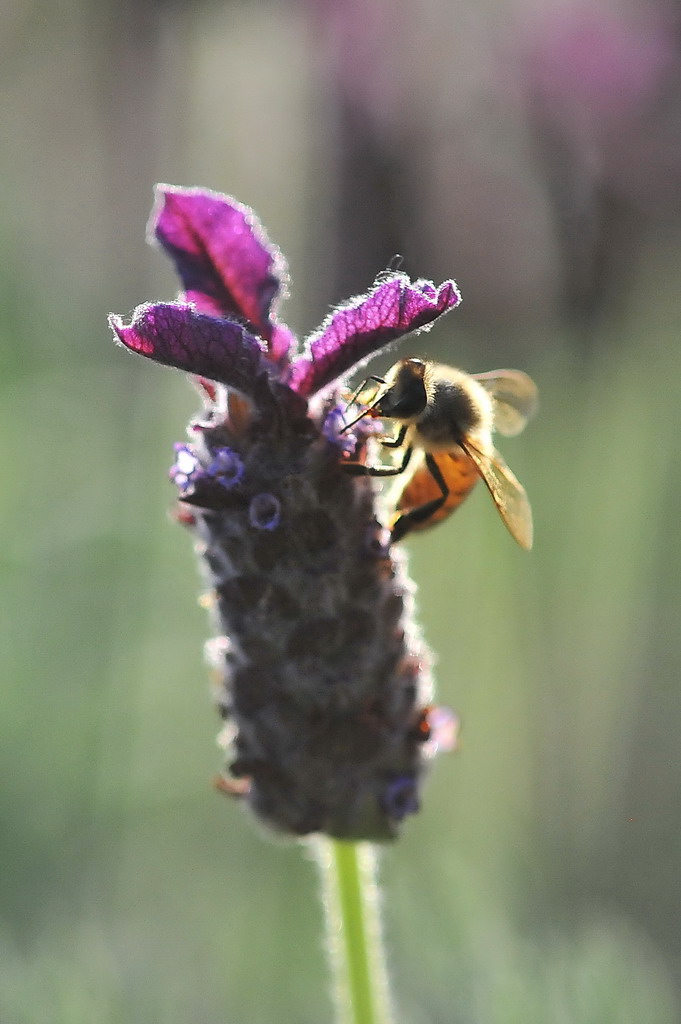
<point x="281" y="342"/>
<point x="354" y="332"/>
<point x="177" y="335"/>
<point x="226" y="263"/>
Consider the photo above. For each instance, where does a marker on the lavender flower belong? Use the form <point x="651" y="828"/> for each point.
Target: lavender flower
<point x="320" y="670"/>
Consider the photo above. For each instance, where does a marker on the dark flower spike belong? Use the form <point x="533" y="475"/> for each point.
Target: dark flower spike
<point x="178" y="336"/>
<point x="319" y="672"/>
<point x="227" y="265"/>
<point x="354" y="332"/>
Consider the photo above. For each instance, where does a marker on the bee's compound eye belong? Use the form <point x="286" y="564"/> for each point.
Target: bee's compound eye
<point x="406" y="397"/>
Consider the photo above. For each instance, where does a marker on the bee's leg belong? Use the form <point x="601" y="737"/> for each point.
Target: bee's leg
<point x="395" y="442"/>
<point x="423" y="513"/>
<point x="360" y="469"/>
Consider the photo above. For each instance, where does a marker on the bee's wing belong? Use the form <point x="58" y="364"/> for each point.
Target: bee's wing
<point x="507" y="493"/>
<point x="515" y="398"/>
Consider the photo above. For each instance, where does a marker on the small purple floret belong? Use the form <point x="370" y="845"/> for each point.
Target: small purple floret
<point x="401" y="797"/>
<point x="227" y="467"/>
<point x="264" y="512"/>
<point x="333" y="428"/>
<point x="186" y="469"/>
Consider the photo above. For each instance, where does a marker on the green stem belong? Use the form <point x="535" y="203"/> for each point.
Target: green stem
<point x="353" y="931"/>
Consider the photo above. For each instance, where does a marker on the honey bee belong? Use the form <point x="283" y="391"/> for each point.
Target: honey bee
<point x="448" y="417"/>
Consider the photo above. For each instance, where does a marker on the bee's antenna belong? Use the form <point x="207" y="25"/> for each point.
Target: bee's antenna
<point x="360" y="417"/>
<point x="353" y="399"/>
<point x="394" y="267"/>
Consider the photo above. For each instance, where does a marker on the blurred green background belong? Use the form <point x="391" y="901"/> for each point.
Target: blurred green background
<point x="534" y="153"/>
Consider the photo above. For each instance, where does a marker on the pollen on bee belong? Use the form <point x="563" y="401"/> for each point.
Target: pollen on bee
<point x="207" y="600"/>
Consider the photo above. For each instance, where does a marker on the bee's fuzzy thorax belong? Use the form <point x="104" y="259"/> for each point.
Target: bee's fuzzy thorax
<point x="457" y="407"/>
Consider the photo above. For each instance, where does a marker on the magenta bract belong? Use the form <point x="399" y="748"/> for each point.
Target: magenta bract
<point x="233" y="277"/>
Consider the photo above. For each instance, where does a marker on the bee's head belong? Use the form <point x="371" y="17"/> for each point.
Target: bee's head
<point x="405" y="395"/>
